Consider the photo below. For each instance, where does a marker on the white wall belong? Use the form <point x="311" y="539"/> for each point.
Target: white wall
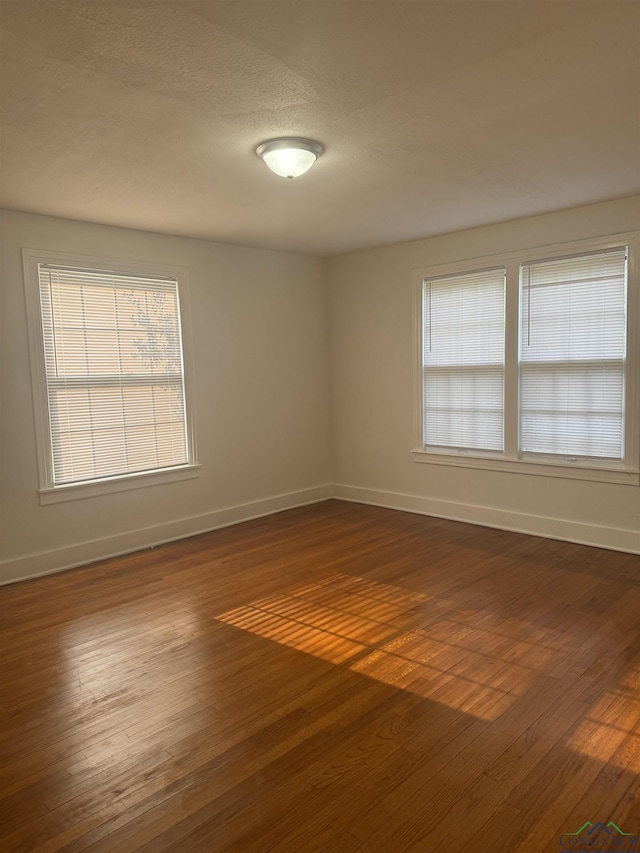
<point x="265" y="339"/>
<point x="259" y="321"/>
<point x="371" y="309"/>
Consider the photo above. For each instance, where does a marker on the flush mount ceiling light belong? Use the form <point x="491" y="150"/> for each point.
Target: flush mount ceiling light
<point x="289" y="156"/>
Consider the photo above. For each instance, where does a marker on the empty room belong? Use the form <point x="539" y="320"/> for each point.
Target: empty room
<point x="320" y="426"/>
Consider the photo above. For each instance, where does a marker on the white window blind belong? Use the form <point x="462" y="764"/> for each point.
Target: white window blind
<point x="572" y="358"/>
<point x="114" y="373"/>
<point x="463" y="360"/>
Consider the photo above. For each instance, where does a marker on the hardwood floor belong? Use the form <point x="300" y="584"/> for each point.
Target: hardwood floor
<point x="333" y="678"/>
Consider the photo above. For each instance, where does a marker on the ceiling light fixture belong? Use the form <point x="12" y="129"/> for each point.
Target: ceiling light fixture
<point x="289" y="156"/>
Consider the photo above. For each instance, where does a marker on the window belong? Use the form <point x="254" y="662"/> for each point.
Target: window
<point x="463" y="360"/>
<point x="108" y="355"/>
<point x="572" y="355"/>
<point x="532" y="364"/>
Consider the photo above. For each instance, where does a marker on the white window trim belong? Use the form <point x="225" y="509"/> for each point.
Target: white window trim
<point x="511" y="461"/>
<point x="47" y="492"/>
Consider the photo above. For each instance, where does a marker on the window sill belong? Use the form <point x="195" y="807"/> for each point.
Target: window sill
<point x="79" y="491"/>
<point x="566" y="471"/>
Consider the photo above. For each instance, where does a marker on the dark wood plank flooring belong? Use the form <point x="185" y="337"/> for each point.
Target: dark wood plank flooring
<point x="333" y="678"/>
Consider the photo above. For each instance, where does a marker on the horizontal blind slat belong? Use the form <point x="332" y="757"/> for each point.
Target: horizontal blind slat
<point x="113" y="361"/>
<point x="573" y="344"/>
<point x="463" y="361"/>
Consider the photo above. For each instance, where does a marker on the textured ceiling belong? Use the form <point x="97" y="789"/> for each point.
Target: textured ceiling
<point x="435" y="116"/>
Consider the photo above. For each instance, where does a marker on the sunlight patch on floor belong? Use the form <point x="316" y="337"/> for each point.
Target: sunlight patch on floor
<point x="609" y="731"/>
<point x="376" y="629"/>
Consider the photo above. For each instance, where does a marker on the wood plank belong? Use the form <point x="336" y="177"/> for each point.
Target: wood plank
<point x="335" y="677"/>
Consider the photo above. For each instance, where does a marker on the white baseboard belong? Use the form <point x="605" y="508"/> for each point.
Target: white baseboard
<point x="48" y="562"/>
<point x="598" y="536"/>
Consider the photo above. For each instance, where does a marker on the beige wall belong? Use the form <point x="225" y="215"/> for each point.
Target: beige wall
<point x="262" y="409"/>
<point x="371" y="337"/>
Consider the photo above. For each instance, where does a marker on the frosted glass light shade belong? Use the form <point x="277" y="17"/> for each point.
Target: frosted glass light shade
<point x="289" y="162"/>
<point x="291" y="156"/>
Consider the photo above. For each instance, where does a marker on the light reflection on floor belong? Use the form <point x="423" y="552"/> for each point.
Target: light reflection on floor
<point x="100" y="651"/>
<point x="608" y="723"/>
<point x="376" y="629"/>
<point x="470" y="660"/>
